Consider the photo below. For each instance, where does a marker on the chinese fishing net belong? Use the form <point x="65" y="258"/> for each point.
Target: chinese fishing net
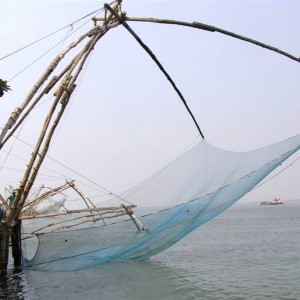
<point x="194" y="188"/>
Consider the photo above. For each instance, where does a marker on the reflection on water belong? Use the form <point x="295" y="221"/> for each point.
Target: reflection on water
<point x="12" y="285"/>
<point x="139" y="280"/>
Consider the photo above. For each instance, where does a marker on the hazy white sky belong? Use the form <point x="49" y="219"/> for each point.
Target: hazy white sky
<point x="125" y="121"/>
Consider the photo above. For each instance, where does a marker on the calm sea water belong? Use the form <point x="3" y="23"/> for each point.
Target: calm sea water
<point x="248" y="252"/>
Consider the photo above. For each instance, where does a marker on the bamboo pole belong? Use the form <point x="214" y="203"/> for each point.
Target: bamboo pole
<point x="27" y="179"/>
<point x="76" y="211"/>
<point x="18" y="110"/>
<point x="3" y="201"/>
<point x="85" y="198"/>
<point x="72" y="220"/>
<point x="16" y="244"/>
<point x="4" y="243"/>
<point x="34" y="155"/>
<point x="134" y="218"/>
<point x="41" y="157"/>
<point x="52" y="82"/>
<point x="210" y="28"/>
<point x="50" y="85"/>
<point x="147" y="49"/>
<point x="119" y="214"/>
<point x="48" y="194"/>
<point x="81" y="195"/>
<point x="63" y="94"/>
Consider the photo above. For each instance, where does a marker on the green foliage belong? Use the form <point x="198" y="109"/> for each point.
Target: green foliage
<point x="4" y="87"/>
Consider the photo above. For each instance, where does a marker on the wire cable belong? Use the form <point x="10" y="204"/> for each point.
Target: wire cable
<point x="52" y="33"/>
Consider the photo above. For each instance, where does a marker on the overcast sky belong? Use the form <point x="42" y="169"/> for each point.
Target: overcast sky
<point x="126" y="121"/>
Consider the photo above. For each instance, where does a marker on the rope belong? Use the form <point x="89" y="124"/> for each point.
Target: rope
<point x="147" y="49"/>
<point x="73" y="97"/>
<point x="197" y="198"/>
<point x="75" y="172"/>
<point x="8" y="152"/>
<point x="89" y="180"/>
<point x="147" y="180"/>
<point x="52" y="33"/>
<point x="61" y="41"/>
<point x="61" y="176"/>
<point x="275" y="174"/>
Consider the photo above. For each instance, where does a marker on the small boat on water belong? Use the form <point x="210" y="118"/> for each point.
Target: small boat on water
<point x="275" y="201"/>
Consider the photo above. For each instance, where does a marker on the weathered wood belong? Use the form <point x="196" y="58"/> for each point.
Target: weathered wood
<point x="3" y="201"/>
<point x="88" y="221"/>
<point x="50" y="85"/>
<point x="75" y="211"/>
<point x="210" y="28"/>
<point x="40" y="160"/>
<point x="63" y="93"/>
<point x="134" y="218"/>
<point x="13" y="211"/>
<point x="86" y="199"/>
<point x="16" y="244"/>
<point x="62" y="96"/>
<point x="4" y="246"/>
<point x="18" y="110"/>
<point x="52" y="192"/>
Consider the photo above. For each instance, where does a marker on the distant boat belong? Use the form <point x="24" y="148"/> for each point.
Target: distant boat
<point x="275" y="201"/>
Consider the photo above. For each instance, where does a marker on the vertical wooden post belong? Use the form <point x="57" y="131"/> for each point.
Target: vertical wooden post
<point x="4" y="246"/>
<point x="16" y="243"/>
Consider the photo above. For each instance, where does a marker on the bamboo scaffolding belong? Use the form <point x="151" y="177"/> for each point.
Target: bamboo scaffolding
<point x="87" y="221"/>
<point x="3" y="201"/>
<point x="85" y="198"/>
<point x="109" y="212"/>
<point x="46" y="195"/>
<point x="75" y="211"/>
<point x="52" y="66"/>
<point x="80" y="223"/>
<point x="74" y="219"/>
<point x="134" y="218"/>
<point x="62" y="96"/>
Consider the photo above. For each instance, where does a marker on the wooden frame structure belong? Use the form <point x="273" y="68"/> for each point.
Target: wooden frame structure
<point x="62" y="86"/>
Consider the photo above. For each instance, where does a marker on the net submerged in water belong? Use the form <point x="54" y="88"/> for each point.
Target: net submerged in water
<point x="195" y="188"/>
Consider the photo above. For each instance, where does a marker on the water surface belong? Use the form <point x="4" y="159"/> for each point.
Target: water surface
<point x="248" y="252"/>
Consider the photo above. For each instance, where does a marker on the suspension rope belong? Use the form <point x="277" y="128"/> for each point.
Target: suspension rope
<point x="275" y="175"/>
<point x="9" y="152"/>
<point x="80" y="79"/>
<point x="61" y="176"/>
<point x="82" y="176"/>
<point x="58" y="43"/>
<point x="52" y="33"/>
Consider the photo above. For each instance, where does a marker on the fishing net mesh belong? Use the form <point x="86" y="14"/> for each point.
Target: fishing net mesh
<point x="193" y="189"/>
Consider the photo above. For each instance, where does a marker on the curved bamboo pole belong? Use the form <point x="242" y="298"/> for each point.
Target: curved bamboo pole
<point x="62" y="96"/>
<point x="146" y="48"/>
<point x="210" y="28"/>
<point x="52" y="192"/>
<point x="18" y="110"/>
<point x="51" y="84"/>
